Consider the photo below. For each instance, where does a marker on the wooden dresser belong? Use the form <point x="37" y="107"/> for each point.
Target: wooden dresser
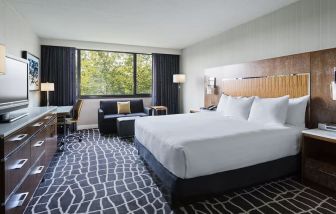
<point x="27" y="147"/>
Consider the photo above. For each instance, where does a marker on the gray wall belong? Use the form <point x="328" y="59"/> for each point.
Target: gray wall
<point x="304" y="26"/>
<point x="17" y="35"/>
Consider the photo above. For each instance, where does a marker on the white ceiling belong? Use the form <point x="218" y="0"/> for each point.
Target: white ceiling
<point x="156" y="23"/>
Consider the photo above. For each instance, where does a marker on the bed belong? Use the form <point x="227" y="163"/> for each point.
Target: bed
<point x="202" y="154"/>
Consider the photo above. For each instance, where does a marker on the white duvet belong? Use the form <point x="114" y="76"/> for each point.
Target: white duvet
<point x="192" y="145"/>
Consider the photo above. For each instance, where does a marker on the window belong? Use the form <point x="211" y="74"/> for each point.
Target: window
<point x="144" y="74"/>
<point x="104" y="73"/>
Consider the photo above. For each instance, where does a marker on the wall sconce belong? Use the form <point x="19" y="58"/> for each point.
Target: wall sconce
<point x="211" y="85"/>
<point x="333" y="90"/>
<point x="333" y="86"/>
<point x="2" y="59"/>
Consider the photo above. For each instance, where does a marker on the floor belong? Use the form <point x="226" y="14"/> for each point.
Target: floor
<point x="105" y="175"/>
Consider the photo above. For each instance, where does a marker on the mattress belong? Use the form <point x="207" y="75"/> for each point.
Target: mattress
<point x="193" y="145"/>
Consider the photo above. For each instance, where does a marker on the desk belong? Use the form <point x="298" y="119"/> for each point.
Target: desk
<point x="62" y="113"/>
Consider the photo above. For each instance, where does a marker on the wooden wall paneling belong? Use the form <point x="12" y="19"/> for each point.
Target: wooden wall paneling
<point x="293" y="64"/>
<point x="323" y="108"/>
<point x="271" y="86"/>
<point x="320" y="65"/>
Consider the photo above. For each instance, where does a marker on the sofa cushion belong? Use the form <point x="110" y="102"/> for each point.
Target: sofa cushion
<point x="124" y="107"/>
<point x="109" y="106"/>
<point x="140" y="114"/>
<point x="137" y="106"/>
<point x="113" y="116"/>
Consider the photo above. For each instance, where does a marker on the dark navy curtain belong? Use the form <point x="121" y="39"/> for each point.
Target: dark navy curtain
<point x="165" y="92"/>
<point x="58" y="66"/>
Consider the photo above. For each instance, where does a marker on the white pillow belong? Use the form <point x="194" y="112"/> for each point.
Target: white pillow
<point x="238" y="107"/>
<point x="269" y="110"/>
<point x="297" y="111"/>
<point x="222" y="102"/>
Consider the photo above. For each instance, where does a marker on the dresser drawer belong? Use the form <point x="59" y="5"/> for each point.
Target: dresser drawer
<point x="15" y="140"/>
<point x="320" y="173"/>
<point x="16" y="167"/>
<point x="37" y="145"/>
<point x="19" y="201"/>
<point x="35" y="126"/>
<point x="49" y="117"/>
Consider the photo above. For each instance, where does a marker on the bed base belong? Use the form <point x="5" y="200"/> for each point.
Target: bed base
<point x="180" y="191"/>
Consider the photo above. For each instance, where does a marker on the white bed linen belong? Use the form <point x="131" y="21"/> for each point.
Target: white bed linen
<point x="192" y="145"/>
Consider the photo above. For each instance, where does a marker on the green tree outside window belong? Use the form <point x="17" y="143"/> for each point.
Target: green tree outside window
<point x="112" y="73"/>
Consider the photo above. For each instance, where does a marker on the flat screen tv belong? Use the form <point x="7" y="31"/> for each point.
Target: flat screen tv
<point x="13" y="89"/>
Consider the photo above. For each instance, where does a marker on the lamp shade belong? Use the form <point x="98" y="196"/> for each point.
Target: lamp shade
<point x="2" y="59"/>
<point x="47" y="86"/>
<point x="179" y="78"/>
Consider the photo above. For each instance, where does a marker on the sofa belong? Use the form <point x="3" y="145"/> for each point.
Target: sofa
<point x="108" y="114"/>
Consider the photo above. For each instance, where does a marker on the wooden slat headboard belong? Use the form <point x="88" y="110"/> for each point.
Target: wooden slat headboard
<point x="270" y="86"/>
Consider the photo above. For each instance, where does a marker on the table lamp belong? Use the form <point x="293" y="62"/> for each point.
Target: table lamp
<point x="47" y="87"/>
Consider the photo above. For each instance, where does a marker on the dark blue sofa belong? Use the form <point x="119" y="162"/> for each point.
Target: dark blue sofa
<point x="108" y="114"/>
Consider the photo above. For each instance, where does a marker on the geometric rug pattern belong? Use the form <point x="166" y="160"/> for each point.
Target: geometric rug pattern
<point x="104" y="174"/>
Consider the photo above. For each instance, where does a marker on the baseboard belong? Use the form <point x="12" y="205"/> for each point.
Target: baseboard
<point x="90" y="126"/>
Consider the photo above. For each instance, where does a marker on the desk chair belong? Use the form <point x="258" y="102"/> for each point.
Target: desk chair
<point x="74" y="120"/>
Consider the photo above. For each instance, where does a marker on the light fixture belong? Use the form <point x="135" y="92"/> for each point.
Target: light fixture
<point x="211" y="85"/>
<point x="47" y="87"/>
<point x="2" y="59"/>
<point x="333" y="90"/>
<point x="333" y="86"/>
<point x="179" y="78"/>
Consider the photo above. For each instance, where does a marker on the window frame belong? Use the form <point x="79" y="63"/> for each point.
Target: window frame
<point x="134" y="95"/>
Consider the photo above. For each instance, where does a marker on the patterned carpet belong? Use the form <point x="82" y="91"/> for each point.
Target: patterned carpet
<point x="105" y="175"/>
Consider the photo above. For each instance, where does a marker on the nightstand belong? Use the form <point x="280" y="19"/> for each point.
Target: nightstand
<point x="319" y="158"/>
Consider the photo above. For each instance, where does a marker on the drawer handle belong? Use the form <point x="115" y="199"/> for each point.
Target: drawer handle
<point x="38" y="170"/>
<point x="20" y="163"/>
<point x="327" y="173"/>
<point x="21" y="199"/>
<point x="18" y="137"/>
<point x="38" y="124"/>
<point x="39" y="143"/>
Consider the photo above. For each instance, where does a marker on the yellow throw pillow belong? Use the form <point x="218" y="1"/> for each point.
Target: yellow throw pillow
<point x="124" y="107"/>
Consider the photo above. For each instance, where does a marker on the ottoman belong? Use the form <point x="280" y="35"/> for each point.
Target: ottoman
<point x="125" y="126"/>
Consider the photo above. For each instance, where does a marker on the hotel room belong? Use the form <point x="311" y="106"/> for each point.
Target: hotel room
<point x="181" y="106"/>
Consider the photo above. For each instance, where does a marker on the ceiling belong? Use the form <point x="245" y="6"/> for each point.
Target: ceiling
<point x="155" y="23"/>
